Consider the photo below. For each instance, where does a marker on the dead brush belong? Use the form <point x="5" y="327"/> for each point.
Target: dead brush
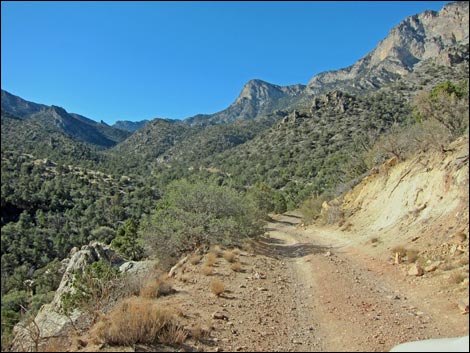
<point x="156" y="288"/>
<point x="229" y="256"/>
<point x="216" y="250"/>
<point x="236" y="267"/>
<point x="140" y="320"/>
<point x="206" y="270"/>
<point x="211" y="259"/>
<point x="217" y="287"/>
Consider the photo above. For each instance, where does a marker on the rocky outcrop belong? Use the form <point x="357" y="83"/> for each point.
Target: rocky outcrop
<point x="50" y="321"/>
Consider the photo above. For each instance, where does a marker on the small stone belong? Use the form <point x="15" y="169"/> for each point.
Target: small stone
<point x="328" y="253"/>
<point x="415" y="270"/>
<point x="262" y="289"/>
<point x="219" y="316"/>
<point x="432" y="267"/>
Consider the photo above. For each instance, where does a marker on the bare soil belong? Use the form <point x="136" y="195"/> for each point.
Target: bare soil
<point x="307" y="289"/>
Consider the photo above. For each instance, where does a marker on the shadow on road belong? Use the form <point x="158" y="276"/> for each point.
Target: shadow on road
<point x="275" y="248"/>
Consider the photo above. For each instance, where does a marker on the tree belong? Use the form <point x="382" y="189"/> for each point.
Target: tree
<point x="447" y="104"/>
<point x="127" y="242"/>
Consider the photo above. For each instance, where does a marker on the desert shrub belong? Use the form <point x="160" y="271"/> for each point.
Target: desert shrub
<point x="139" y="320"/>
<point x="211" y="259"/>
<point x="155" y="288"/>
<point x="268" y="199"/>
<point x="229" y="256"/>
<point x="192" y="215"/>
<point x="236" y="267"/>
<point x="447" y="104"/>
<point x="216" y="250"/>
<point x="92" y="290"/>
<point x="206" y="270"/>
<point x="217" y="287"/>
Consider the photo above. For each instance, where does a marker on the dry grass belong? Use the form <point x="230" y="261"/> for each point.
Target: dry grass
<point x="216" y="250"/>
<point x="236" y="266"/>
<point x="211" y="259"/>
<point x="206" y="270"/>
<point x="55" y="344"/>
<point x="195" y="259"/>
<point x="159" y="287"/>
<point x="140" y="320"/>
<point x="217" y="287"/>
<point x="229" y="256"/>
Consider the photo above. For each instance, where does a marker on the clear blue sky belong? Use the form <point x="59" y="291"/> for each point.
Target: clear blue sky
<point x="141" y="60"/>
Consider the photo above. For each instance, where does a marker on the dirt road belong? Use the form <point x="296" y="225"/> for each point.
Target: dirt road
<point x="307" y="289"/>
<point x="348" y="301"/>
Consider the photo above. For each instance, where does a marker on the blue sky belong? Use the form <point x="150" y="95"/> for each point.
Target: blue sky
<point x="140" y="60"/>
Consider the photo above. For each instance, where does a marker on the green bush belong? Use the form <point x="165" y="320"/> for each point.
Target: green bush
<point x="92" y="289"/>
<point x="447" y="104"/>
<point x="191" y="215"/>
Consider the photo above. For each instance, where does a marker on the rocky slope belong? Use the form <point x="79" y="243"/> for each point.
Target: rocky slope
<point x="440" y="37"/>
<point x="429" y="35"/>
<point x="256" y="98"/>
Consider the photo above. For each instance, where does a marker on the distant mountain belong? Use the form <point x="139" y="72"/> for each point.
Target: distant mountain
<point x="256" y="98"/>
<point x="130" y="126"/>
<point x="33" y="136"/>
<point x="19" y="107"/>
<point x="440" y="37"/>
<point x="55" y="118"/>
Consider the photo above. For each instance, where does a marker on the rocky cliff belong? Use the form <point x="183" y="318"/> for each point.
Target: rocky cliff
<point x="428" y="35"/>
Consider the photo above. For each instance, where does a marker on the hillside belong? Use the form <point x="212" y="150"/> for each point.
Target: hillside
<point x="54" y="118"/>
<point x="341" y="207"/>
<point x="130" y="126"/>
<point x="285" y="290"/>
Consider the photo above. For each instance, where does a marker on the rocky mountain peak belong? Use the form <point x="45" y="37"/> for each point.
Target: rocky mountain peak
<point x="259" y="91"/>
<point x="420" y="37"/>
